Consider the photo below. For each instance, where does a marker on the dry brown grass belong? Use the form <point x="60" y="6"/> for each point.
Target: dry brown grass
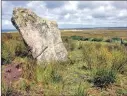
<point x="97" y="33"/>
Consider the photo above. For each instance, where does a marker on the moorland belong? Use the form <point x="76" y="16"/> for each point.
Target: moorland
<point x="96" y="66"/>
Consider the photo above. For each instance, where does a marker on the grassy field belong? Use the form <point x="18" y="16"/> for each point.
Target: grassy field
<point x="93" y="68"/>
<point x="97" y="33"/>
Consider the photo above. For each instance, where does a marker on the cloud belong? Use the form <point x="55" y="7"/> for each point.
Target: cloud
<point x="54" y="4"/>
<point x="67" y="16"/>
<point x="72" y="13"/>
<point x="120" y="4"/>
<point x="6" y="24"/>
<point x="93" y="4"/>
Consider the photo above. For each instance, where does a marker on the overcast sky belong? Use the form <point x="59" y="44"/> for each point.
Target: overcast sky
<point x="72" y="14"/>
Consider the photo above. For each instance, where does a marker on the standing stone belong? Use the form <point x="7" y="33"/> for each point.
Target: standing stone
<point x="41" y="35"/>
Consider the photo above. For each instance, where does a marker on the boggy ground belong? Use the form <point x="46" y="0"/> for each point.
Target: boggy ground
<point x="93" y="69"/>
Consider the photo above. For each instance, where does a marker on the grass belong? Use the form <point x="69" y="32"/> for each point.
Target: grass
<point x="9" y="90"/>
<point x="92" y="66"/>
<point x="98" y="33"/>
<point x="103" y="77"/>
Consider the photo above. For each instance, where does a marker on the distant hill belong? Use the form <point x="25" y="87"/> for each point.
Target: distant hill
<point x="110" y="28"/>
<point x="8" y="30"/>
<point x="122" y="28"/>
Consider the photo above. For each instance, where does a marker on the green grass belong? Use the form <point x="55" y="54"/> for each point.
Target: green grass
<point x="104" y="77"/>
<point x="88" y="63"/>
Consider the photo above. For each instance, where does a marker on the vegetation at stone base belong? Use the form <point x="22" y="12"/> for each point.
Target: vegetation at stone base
<point x="92" y="67"/>
<point x="12" y="49"/>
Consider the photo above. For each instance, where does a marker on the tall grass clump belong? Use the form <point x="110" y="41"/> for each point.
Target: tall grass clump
<point x="21" y="50"/>
<point x="80" y="90"/>
<point x="12" y="49"/>
<point x="9" y="90"/>
<point x="8" y="50"/>
<point x="119" y="62"/>
<point x="48" y="73"/>
<point x="125" y="42"/>
<point x="88" y="50"/>
<point x="6" y="91"/>
<point x="29" y="68"/>
<point x="67" y="43"/>
<point x="104" y="77"/>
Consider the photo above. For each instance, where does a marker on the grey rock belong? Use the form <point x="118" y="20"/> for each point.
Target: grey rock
<point x="41" y="35"/>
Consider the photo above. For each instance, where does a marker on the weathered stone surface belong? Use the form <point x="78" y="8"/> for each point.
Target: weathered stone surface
<point x="41" y="35"/>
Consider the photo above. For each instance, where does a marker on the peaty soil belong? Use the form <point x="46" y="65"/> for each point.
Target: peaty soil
<point x="11" y="72"/>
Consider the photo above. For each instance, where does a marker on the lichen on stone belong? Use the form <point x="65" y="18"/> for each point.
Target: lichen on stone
<point x="23" y="15"/>
<point x="39" y="32"/>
